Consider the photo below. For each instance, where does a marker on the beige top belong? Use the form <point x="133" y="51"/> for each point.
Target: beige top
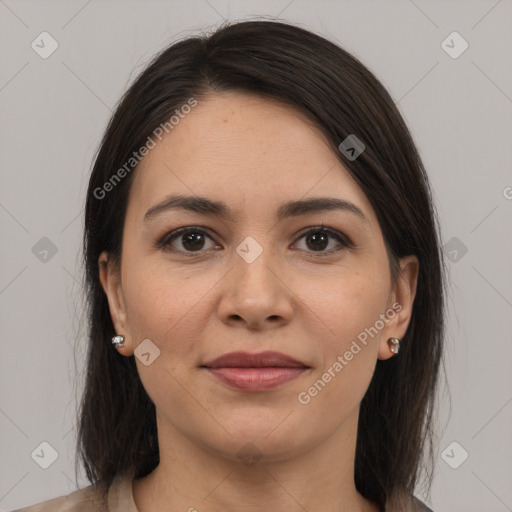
<point x="119" y="499"/>
<point x="88" y="499"/>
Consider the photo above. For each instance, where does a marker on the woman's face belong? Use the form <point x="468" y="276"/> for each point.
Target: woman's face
<point x="253" y="276"/>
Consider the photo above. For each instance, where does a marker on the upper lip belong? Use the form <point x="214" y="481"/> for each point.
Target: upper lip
<point x="259" y="360"/>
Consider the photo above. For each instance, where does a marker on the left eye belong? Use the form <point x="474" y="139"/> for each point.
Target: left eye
<point x="318" y="239"/>
<point x="192" y="240"/>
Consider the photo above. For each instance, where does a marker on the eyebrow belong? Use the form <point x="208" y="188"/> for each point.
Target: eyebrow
<point x="205" y="206"/>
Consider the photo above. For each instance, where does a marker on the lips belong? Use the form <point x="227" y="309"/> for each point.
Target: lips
<point x="255" y="372"/>
<point x="261" y="360"/>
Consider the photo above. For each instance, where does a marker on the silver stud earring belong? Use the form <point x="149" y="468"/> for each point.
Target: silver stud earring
<point x="394" y="345"/>
<point x="118" y="341"/>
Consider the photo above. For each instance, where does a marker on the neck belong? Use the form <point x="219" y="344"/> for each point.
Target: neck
<point x="192" y="478"/>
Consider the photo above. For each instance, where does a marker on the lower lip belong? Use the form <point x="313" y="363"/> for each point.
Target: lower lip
<point x="256" y="379"/>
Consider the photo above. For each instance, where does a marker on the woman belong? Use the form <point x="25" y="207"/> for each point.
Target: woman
<point x="265" y="286"/>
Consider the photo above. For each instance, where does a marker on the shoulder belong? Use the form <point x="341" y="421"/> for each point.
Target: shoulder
<point x="94" y="498"/>
<point x="82" y="500"/>
<point x="419" y="506"/>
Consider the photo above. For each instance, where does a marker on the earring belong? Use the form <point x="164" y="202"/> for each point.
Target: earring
<point x="118" y="341"/>
<point x="394" y="345"/>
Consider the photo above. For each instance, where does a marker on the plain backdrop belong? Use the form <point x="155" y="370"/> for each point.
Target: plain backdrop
<point x="54" y="111"/>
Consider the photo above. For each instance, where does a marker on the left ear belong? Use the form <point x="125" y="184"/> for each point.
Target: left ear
<point x="400" y="303"/>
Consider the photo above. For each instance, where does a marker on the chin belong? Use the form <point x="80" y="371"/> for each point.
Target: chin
<point x="250" y="450"/>
<point x="267" y="440"/>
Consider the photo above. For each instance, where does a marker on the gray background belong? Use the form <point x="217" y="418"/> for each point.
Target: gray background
<point x="54" y="111"/>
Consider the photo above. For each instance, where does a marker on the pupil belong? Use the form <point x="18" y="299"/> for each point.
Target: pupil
<point x="318" y="237"/>
<point x="194" y="239"/>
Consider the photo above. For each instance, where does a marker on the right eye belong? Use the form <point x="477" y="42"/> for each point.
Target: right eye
<point x="191" y="239"/>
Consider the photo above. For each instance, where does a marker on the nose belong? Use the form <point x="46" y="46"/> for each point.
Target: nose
<point x="256" y="294"/>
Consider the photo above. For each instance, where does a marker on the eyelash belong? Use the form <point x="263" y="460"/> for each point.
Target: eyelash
<point x="165" y="242"/>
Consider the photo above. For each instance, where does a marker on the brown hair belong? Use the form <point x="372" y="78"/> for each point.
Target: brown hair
<point x="117" y="424"/>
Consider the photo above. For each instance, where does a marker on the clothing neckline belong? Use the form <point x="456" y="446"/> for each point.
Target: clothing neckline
<point x="120" y="495"/>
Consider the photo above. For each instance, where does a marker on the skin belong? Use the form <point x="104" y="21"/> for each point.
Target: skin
<point x="253" y="154"/>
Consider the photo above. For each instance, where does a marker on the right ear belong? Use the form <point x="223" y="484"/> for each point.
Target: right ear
<point x="110" y="278"/>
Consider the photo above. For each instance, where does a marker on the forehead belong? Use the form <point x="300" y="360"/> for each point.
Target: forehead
<point x="246" y="151"/>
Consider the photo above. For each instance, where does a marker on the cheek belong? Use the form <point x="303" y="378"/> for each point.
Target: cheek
<point x="342" y="327"/>
<point x="345" y="306"/>
<point x="348" y="352"/>
<point x="164" y="304"/>
<point x="167" y="307"/>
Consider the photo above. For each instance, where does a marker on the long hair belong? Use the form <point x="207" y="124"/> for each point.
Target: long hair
<point x="278" y="60"/>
